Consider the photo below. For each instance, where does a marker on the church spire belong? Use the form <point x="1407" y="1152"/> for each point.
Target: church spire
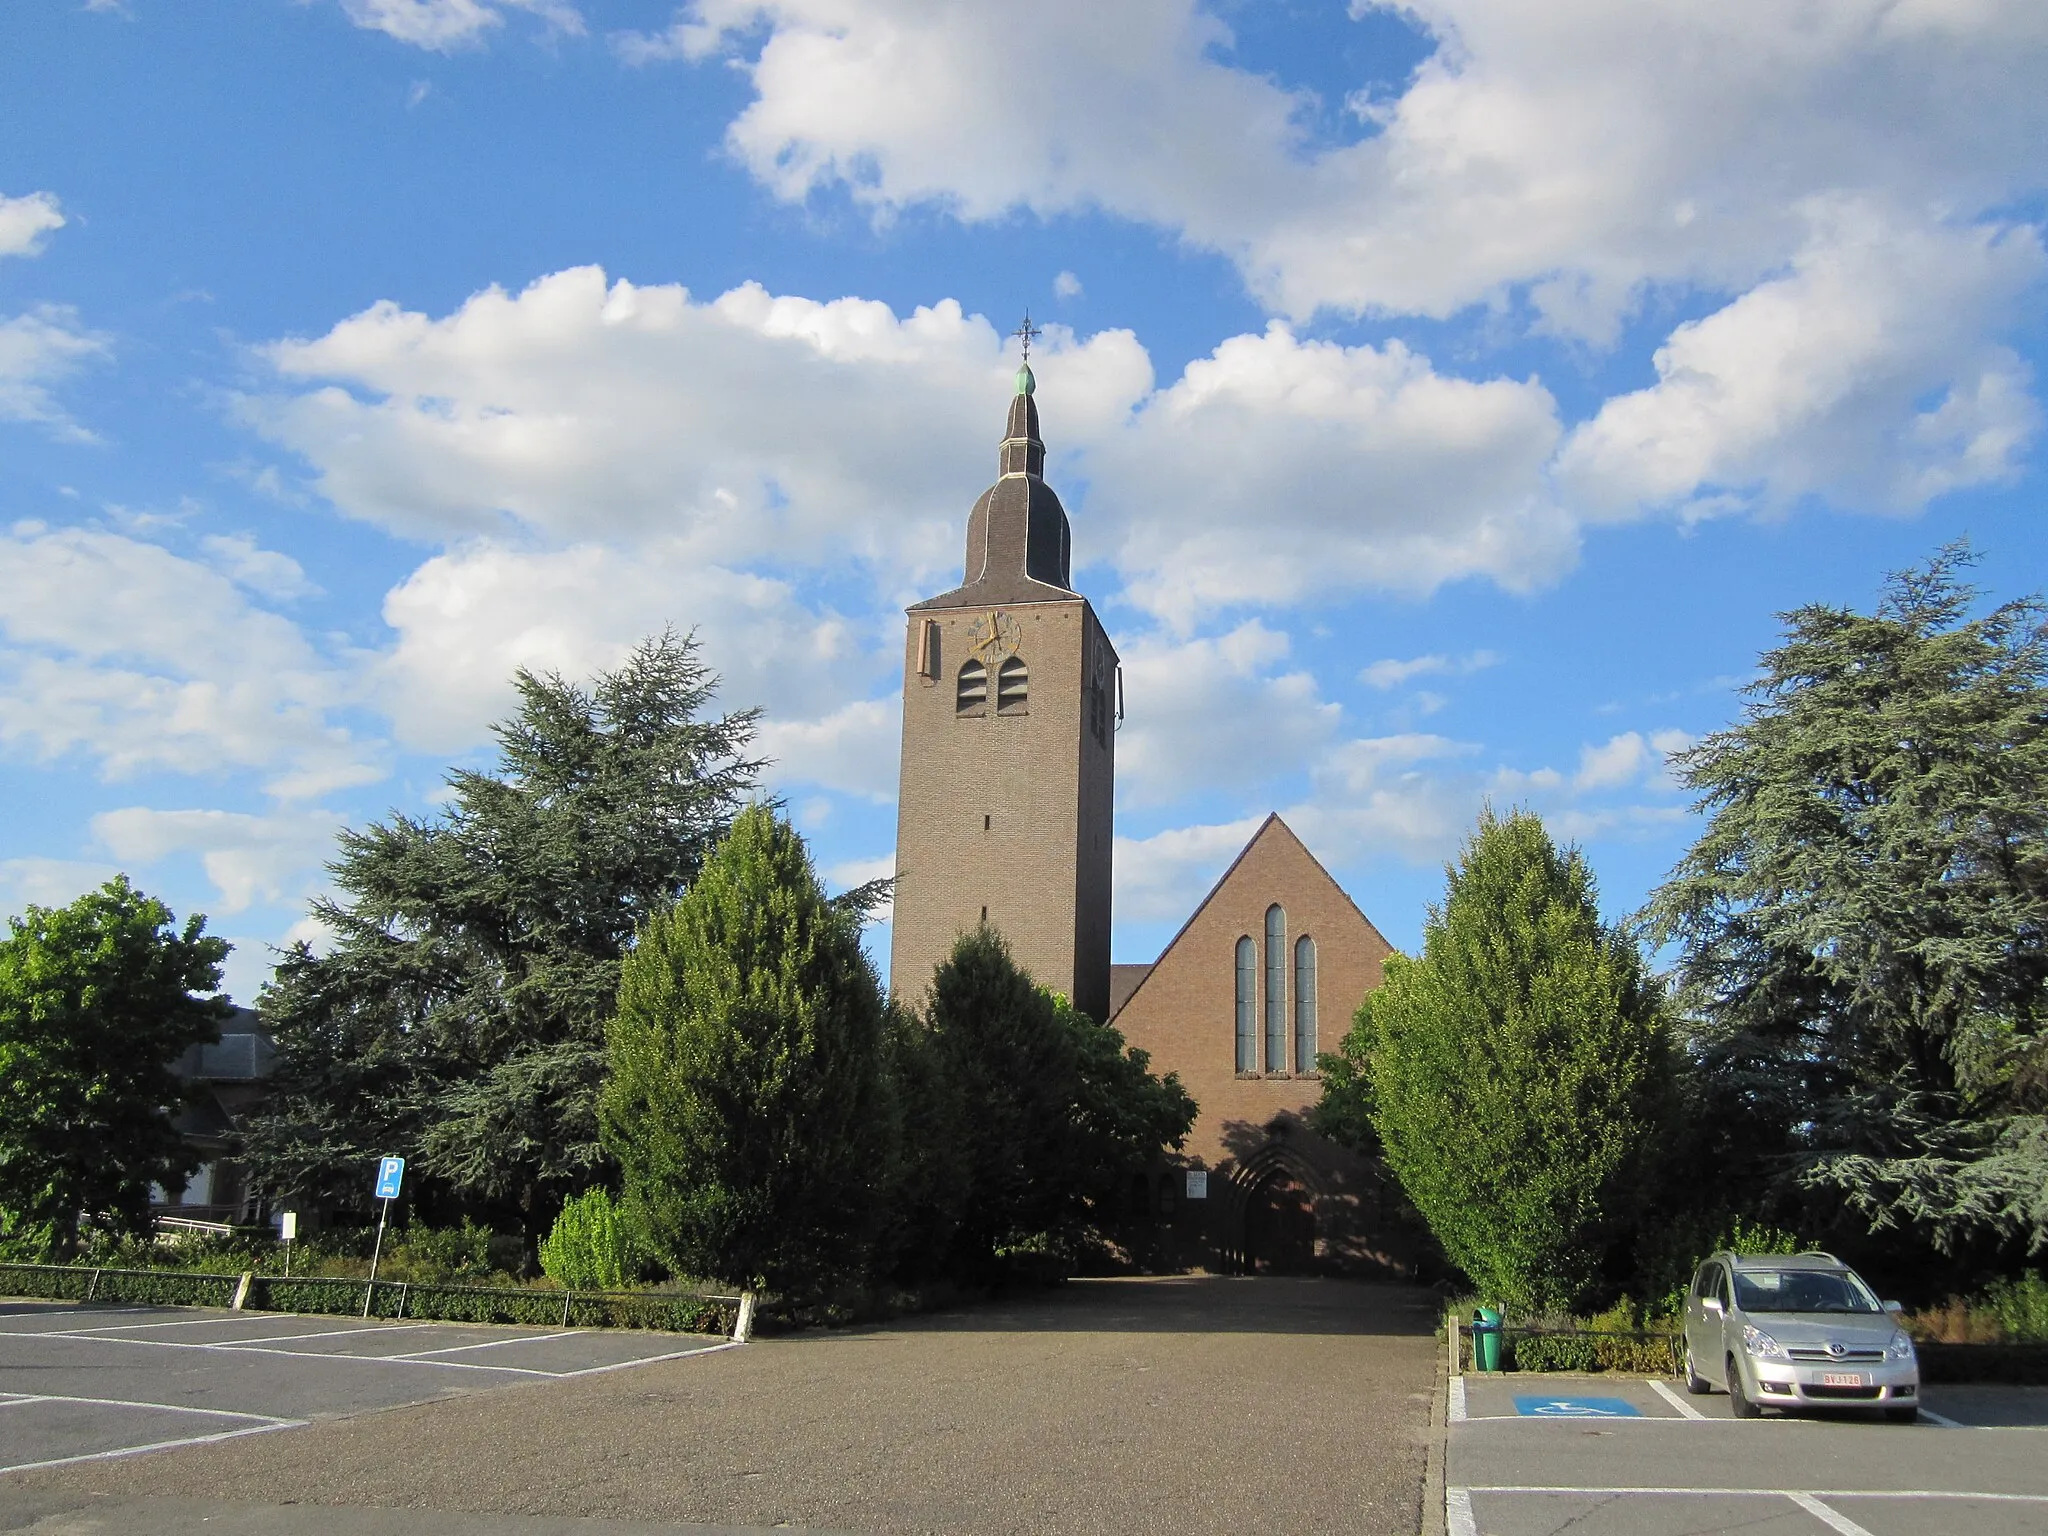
<point x="1022" y="452"/>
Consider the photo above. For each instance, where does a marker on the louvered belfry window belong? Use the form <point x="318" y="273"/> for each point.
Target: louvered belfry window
<point x="1276" y="989"/>
<point x="971" y="697"/>
<point x="1013" y="687"/>
<point x="1247" y="1005"/>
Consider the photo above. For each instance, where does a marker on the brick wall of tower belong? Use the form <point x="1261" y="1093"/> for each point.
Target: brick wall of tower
<point x="1008" y="813"/>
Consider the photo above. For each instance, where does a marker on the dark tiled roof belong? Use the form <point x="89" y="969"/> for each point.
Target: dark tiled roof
<point x="1123" y="981"/>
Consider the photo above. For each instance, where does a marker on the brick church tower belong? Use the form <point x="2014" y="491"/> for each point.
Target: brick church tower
<point x="1010" y="705"/>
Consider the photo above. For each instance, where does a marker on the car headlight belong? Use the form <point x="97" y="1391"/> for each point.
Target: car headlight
<point x="1900" y="1348"/>
<point x="1759" y="1343"/>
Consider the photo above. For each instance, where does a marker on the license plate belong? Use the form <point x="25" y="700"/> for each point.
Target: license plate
<point x="1843" y="1379"/>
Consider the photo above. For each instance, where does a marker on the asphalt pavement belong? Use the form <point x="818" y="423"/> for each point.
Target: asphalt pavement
<point x="1187" y="1405"/>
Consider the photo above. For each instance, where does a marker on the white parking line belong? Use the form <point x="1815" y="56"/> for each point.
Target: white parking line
<point x="1456" y="1414"/>
<point x="1767" y="1493"/>
<point x="330" y="1333"/>
<point x="456" y="1349"/>
<point x="1685" y="1409"/>
<point x="181" y="1322"/>
<point x="1834" y="1519"/>
<point x="314" y="1354"/>
<point x="1941" y="1419"/>
<point x="155" y="1445"/>
<point x="1458" y="1512"/>
<point x="122" y="1402"/>
<point x="627" y="1365"/>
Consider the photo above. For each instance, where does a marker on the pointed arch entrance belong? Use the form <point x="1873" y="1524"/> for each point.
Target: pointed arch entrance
<point x="1283" y="1195"/>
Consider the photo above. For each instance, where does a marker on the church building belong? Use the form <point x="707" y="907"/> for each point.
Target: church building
<point x="1012" y="696"/>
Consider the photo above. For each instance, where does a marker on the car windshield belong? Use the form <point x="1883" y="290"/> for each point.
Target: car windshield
<point x="1802" y="1290"/>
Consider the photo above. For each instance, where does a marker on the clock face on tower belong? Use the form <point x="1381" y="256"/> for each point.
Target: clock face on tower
<point x="993" y="636"/>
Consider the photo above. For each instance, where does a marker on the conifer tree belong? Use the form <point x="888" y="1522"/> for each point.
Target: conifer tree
<point x="1863" y="925"/>
<point x="458" y="1019"/>
<point x="1517" y="1071"/>
<point x="1055" y="1112"/>
<point x="748" y="1104"/>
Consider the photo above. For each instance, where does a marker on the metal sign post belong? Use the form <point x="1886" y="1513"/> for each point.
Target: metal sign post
<point x="390" y="1174"/>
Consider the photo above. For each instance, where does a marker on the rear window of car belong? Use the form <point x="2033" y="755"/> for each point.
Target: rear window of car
<point x="1802" y="1290"/>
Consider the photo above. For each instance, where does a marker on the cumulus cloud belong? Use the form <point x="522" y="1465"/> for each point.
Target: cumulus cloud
<point x="1618" y="760"/>
<point x="1576" y="151"/>
<point x="248" y="858"/>
<point x="465" y="619"/>
<point x="1392" y="672"/>
<point x="46" y="882"/>
<point x="266" y="572"/>
<point x="1278" y="469"/>
<point x="1863" y="374"/>
<point x="762" y="428"/>
<point x="1215" y="714"/>
<point x="444" y="26"/>
<point x="39" y="350"/>
<point x="24" y="221"/>
<point x="142" y="660"/>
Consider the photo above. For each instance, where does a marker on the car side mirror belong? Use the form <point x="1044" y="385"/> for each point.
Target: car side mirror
<point x="1894" y="1307"/>
<point x="1711" y="1304"/>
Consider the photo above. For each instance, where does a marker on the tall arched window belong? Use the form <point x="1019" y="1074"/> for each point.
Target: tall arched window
<point x="1013" y="686"/>
<point x="971" y="696"/>
<point x="1276" y="989"/>
<point x="1247" y="1005"/>
<point x="1304" y="1004"/>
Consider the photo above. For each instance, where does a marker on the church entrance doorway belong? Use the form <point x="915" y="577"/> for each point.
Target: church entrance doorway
<point x="1280" y="1226"/>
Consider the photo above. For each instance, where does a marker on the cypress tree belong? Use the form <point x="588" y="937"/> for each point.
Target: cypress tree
<point x="748" y="1104"/>
<point x="1517" y="1071"/>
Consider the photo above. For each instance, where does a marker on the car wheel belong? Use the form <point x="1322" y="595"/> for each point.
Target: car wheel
<point x="1695" y="1383"/>
<point x="1909" y="1414"/>
<point x="1744" y="1405"/>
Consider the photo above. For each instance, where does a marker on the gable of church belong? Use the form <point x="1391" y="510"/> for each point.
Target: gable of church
<point x="1267" y="972"/>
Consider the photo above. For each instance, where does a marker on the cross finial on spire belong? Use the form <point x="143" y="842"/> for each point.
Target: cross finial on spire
<point x="1027" y="333"/>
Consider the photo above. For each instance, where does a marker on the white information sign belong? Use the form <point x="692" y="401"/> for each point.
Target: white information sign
<point x="288" y="1225"/>
<point x="1198" y="1183"/>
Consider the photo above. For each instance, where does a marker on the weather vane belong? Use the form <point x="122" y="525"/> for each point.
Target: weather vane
<point x="1027" y="333"/>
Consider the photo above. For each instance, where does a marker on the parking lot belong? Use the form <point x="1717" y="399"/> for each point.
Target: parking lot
<point x="95" y="1383"/>
<point x="1603" y="1456"/>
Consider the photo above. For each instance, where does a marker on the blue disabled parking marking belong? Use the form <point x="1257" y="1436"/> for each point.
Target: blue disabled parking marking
<point x="1576" y="1408"/>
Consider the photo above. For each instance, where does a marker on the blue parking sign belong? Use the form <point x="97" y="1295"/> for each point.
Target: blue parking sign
<point x="390" y="1174"/>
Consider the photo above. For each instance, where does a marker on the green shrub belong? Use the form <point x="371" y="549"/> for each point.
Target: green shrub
<point x="588" y="1249"/>
<point x="2020" y="1308"/>
<point x="1552" y="1352"/>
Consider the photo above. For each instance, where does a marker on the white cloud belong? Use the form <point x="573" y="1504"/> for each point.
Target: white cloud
<point x="1161" y="877"/>
<point x="265" y="572"/>
<point x="1392" y="672"/>
<point x="46" y="882"/>
<point x="25" y="220"/>
<point x="1814" y="383"/>
<point x="1277" y="469"/>
<point x="749" y="425"/>
<point x="38" y="350"/>
<point x="853" y="749"/>
<point x="443" y="26"/>
<point x="756" y="429"/>
<point x="1066" y="286"/>
<point x="1214" y="714"/>
<point x="466" y="619"/>
<point x="145" y="661"/>
<point x="1617" y="761"/>
<point x="1578" y="150"/>
<point x="248" y="858"/>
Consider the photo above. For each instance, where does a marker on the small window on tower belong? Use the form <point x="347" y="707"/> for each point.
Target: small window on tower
<point x="971" y="698"/>
<point x="1013" y="685"/>
<point x="928" y="649"/>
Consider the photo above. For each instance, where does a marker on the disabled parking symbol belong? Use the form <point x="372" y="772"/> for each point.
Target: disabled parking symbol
<point x="1576" y="1408"/>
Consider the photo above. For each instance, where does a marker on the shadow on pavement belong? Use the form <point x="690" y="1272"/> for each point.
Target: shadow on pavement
<point x="1203" y="1304"/>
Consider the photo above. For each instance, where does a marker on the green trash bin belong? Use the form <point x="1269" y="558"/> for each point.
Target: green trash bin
<point x="1486" y="1339"/>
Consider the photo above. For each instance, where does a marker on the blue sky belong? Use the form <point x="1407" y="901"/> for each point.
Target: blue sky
<point x="1446" y="397"/>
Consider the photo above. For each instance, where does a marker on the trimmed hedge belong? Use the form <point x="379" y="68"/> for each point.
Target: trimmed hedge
<point x="147" y="1287"/>
<point x="666" y="1311"/>
<point x="1634" y="1353"/>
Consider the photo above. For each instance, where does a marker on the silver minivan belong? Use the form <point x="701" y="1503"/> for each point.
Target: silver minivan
<point x="1785" y="1330"/>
